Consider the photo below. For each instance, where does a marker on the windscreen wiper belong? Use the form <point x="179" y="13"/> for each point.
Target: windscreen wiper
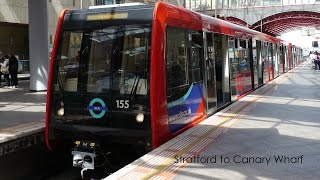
<point x="61" y="87"/>
<point x="135" y="87"/>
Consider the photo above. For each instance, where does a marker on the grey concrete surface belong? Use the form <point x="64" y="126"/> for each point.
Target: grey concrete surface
<point x="21" y="111"/>
<point x="25" y="76"/>
<point x="285" y="122"/>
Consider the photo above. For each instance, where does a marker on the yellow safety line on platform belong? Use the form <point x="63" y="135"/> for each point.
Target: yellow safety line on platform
<point x="161" y="171"/>
<point x="228" y="118"/>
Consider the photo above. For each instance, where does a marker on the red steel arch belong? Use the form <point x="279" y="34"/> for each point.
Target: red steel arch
<point x="281" y="23"/>
<point x="235" y="20"/>
<point x="287" y="21"/>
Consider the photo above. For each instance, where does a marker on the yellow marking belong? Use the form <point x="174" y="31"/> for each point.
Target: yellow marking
<point x="106" y="16"/>
<point x="7" y="131"/>
<point x="142" y="169"/>
<point x="170" y="160"/>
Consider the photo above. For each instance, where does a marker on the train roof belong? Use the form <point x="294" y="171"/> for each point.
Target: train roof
<point x="171" y="15"/>
<point x="189" y="19"/>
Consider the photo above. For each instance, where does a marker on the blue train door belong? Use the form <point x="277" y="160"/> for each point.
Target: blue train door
<point x="209" y="73"/>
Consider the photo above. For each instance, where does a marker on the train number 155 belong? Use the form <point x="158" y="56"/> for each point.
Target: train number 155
<point x="122" y="104"/>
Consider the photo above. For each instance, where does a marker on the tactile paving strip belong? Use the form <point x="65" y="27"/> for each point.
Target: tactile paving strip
<point x="192" y="142"/>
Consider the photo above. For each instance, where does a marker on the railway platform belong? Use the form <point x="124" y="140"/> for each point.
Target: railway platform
<point x="22" y="117"/>
<point x="272" y="133"/>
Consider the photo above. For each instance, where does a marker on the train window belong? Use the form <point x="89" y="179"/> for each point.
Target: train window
<point x="196" y="56"/>
<point x="100" y="59"/>
<point x="126" y="49"/>
<point x="242" y="55"/>
<point x="236" y="41"/>
<point x="243" y="44"/>
<point x="255" y="63"/>
<point x="234" y="63"/>
<point x="265" y="62"/>
<point x="176" y="58"/>
<point x="67" y="78"/>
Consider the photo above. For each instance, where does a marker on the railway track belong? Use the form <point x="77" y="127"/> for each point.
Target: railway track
<point x="37" y="162"/>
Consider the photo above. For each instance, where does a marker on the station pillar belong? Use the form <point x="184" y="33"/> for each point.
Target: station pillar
<point x="38" y="44"/>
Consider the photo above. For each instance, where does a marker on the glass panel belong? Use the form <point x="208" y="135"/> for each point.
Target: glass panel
<point x="196" y="57"/>
<point x="222" y="69"/>
<point x="243" y="77"/>
<point x="234" y="64"/>
<point x="184" y="79"/>
<point x="129" y="46"/>
<point x="260" y="63"/>
<point x="271" y="64"/>
<point x="275" y="60"/>
<point x="124" y="48"/>
<point x="176" y="58"/>
<point x="265" y="62"/>
<point x="210" y="74"/>
<point x="100" y="59"/>
<point x="255" y="63"/>
<point x="68" y="62"/>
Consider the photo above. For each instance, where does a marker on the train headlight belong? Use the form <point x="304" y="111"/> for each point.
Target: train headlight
<point x="61" y="109"/>
<point x="140" y="117"/>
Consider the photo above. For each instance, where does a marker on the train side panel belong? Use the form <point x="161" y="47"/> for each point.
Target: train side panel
<point x="183" y="112"/>
<point x="158" y="79"/>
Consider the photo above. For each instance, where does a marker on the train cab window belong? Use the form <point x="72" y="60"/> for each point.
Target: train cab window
<point x="125" y="50"/>
<point x="68" y="60"/>
<point x="100" y="60"/>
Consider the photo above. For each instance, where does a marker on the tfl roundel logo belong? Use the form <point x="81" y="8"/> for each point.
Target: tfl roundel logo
<point x="98" y="110"/>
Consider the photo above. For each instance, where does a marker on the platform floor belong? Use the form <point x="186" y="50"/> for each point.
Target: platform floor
<point x="273" y="133"/>
<point x="21" y="112"/>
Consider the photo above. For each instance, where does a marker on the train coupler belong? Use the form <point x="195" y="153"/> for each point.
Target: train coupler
<point x="84" y="155"/>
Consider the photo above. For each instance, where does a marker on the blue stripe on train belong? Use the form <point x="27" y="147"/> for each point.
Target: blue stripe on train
<point x="183" y="111"/>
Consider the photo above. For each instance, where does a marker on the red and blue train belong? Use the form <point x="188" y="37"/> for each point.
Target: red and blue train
<point x="140" y="74"/>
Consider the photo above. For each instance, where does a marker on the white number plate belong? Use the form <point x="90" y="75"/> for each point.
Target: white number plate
<point x="122" y="104"/>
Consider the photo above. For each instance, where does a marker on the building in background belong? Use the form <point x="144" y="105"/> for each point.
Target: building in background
<point x="55" y="7"/>
<point x="14" y="16"/>
<point x="14" y="34"/>
<point x="14" y="28"/>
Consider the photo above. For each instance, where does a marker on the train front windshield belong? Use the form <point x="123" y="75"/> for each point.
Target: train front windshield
<point x="110" y="59"/>
<point x="101" y="74"/>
